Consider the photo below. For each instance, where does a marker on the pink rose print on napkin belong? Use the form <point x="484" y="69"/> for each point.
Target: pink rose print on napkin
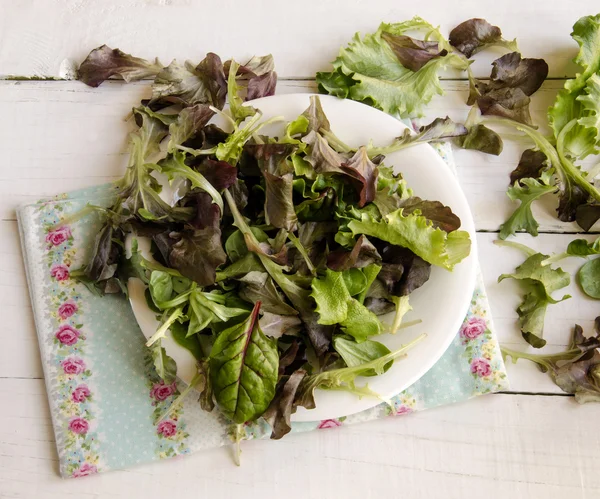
<point x="85" y="470"/>
<point x="67" y="335"/>
<point x="73" y="365"/>
<point x="79" y="426"/>
<point x="67" y="309"/>
<point x="58" y="236"/>
<point x="481" y="367"/>
<point x="403" y="409"/>
<point x="60" y="272"/>
<point x="329" y="423"/>
<point x="473" y="328"/>
<point x="166" y="428"/>
<point x="80" y="394"/>
<point x="160" y="391"/>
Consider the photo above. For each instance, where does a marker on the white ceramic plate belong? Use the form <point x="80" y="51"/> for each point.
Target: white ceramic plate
<point x="441" y="303"/>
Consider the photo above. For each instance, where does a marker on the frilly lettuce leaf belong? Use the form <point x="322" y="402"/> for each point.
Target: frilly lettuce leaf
<point x="418" y="234"/>
<point x="526" y="190"/>
<point x="368" y="70"/>
<point x="539" y="282"/>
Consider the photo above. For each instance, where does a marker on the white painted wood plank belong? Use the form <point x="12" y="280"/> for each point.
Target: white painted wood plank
<point x="64" y="136"/>
<point x="37" y="35"/>
<point x="499" y="444"/>
<point x="20" y="355"/>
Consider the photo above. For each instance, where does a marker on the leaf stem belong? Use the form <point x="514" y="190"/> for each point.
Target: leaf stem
<point x="302" y="250"/>
<point x="525" y="249"/>
<point x="162" y="330"/>
<point x="554" y="258"/>
<point x="335" y="142"/>
<point x="197" y="377"/>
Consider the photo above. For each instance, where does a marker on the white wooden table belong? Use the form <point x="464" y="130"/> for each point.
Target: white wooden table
<point x="60" y="135"/>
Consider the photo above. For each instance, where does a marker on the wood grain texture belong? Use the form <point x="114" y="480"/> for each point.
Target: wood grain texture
<point x="498" y="445"/>
<point x="59" y="136"/>
<point x="38" y="35"/>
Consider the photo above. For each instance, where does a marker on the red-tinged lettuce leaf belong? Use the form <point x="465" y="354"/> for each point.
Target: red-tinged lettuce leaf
<point x="219" y="173"/>
<point x="531" y="164"/>
<point x="438" y="129"/>
<point x="441" y="216"/>
<point x="587" y="215"/>
<point x="575" y="370"/>
<point x="138" y="191"/>
<point x="271" y="157"/>
<point x="198" y="254"/>
<point x="106" y="253"/>
<point x="207" y="214"/>
<point x="317" y="120"/>
<point x="512" y="81"/>
<point x="412" y="53"/>
<point x="571" y="198"/>
<point x="262" y="86"/>
<point x="279" y="204"/>
<point x="365" y="172"/>
<point x="402" y="271"/>
<point x="279" y="413"/>
<point x="104" y="62"/>
<point x="474" y="35"/>
<point x="322" y="157"/>
<point x="190" y="122"/>
<point x="188" y="84"/>
<point x="363" y="254"/>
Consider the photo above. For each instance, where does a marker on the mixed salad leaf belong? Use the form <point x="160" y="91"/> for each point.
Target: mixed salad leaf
<point x="399" y="74"/>
<point x="276" y="257"/>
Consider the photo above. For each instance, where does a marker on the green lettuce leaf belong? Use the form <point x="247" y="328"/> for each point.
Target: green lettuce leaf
<point x="368" y="70"/>
<point x="539" y="281"/>
<point x="526" y="190"/>
<point x="419" y="235"/>
<point x="335" y="305"/>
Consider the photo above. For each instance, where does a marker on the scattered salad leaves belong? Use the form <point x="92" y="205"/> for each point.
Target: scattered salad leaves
<point x="539" y="282"/>
<point x="575" y="371"/>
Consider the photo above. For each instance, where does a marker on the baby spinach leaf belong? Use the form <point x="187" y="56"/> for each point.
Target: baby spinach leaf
<point x="355" y="281"/>
<point x="589" y="278"/>
<point x="191" y="343"/>
<point x="365" y="172"/>
<point x="161" y="286"/>
<point x="243" y="370"/>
